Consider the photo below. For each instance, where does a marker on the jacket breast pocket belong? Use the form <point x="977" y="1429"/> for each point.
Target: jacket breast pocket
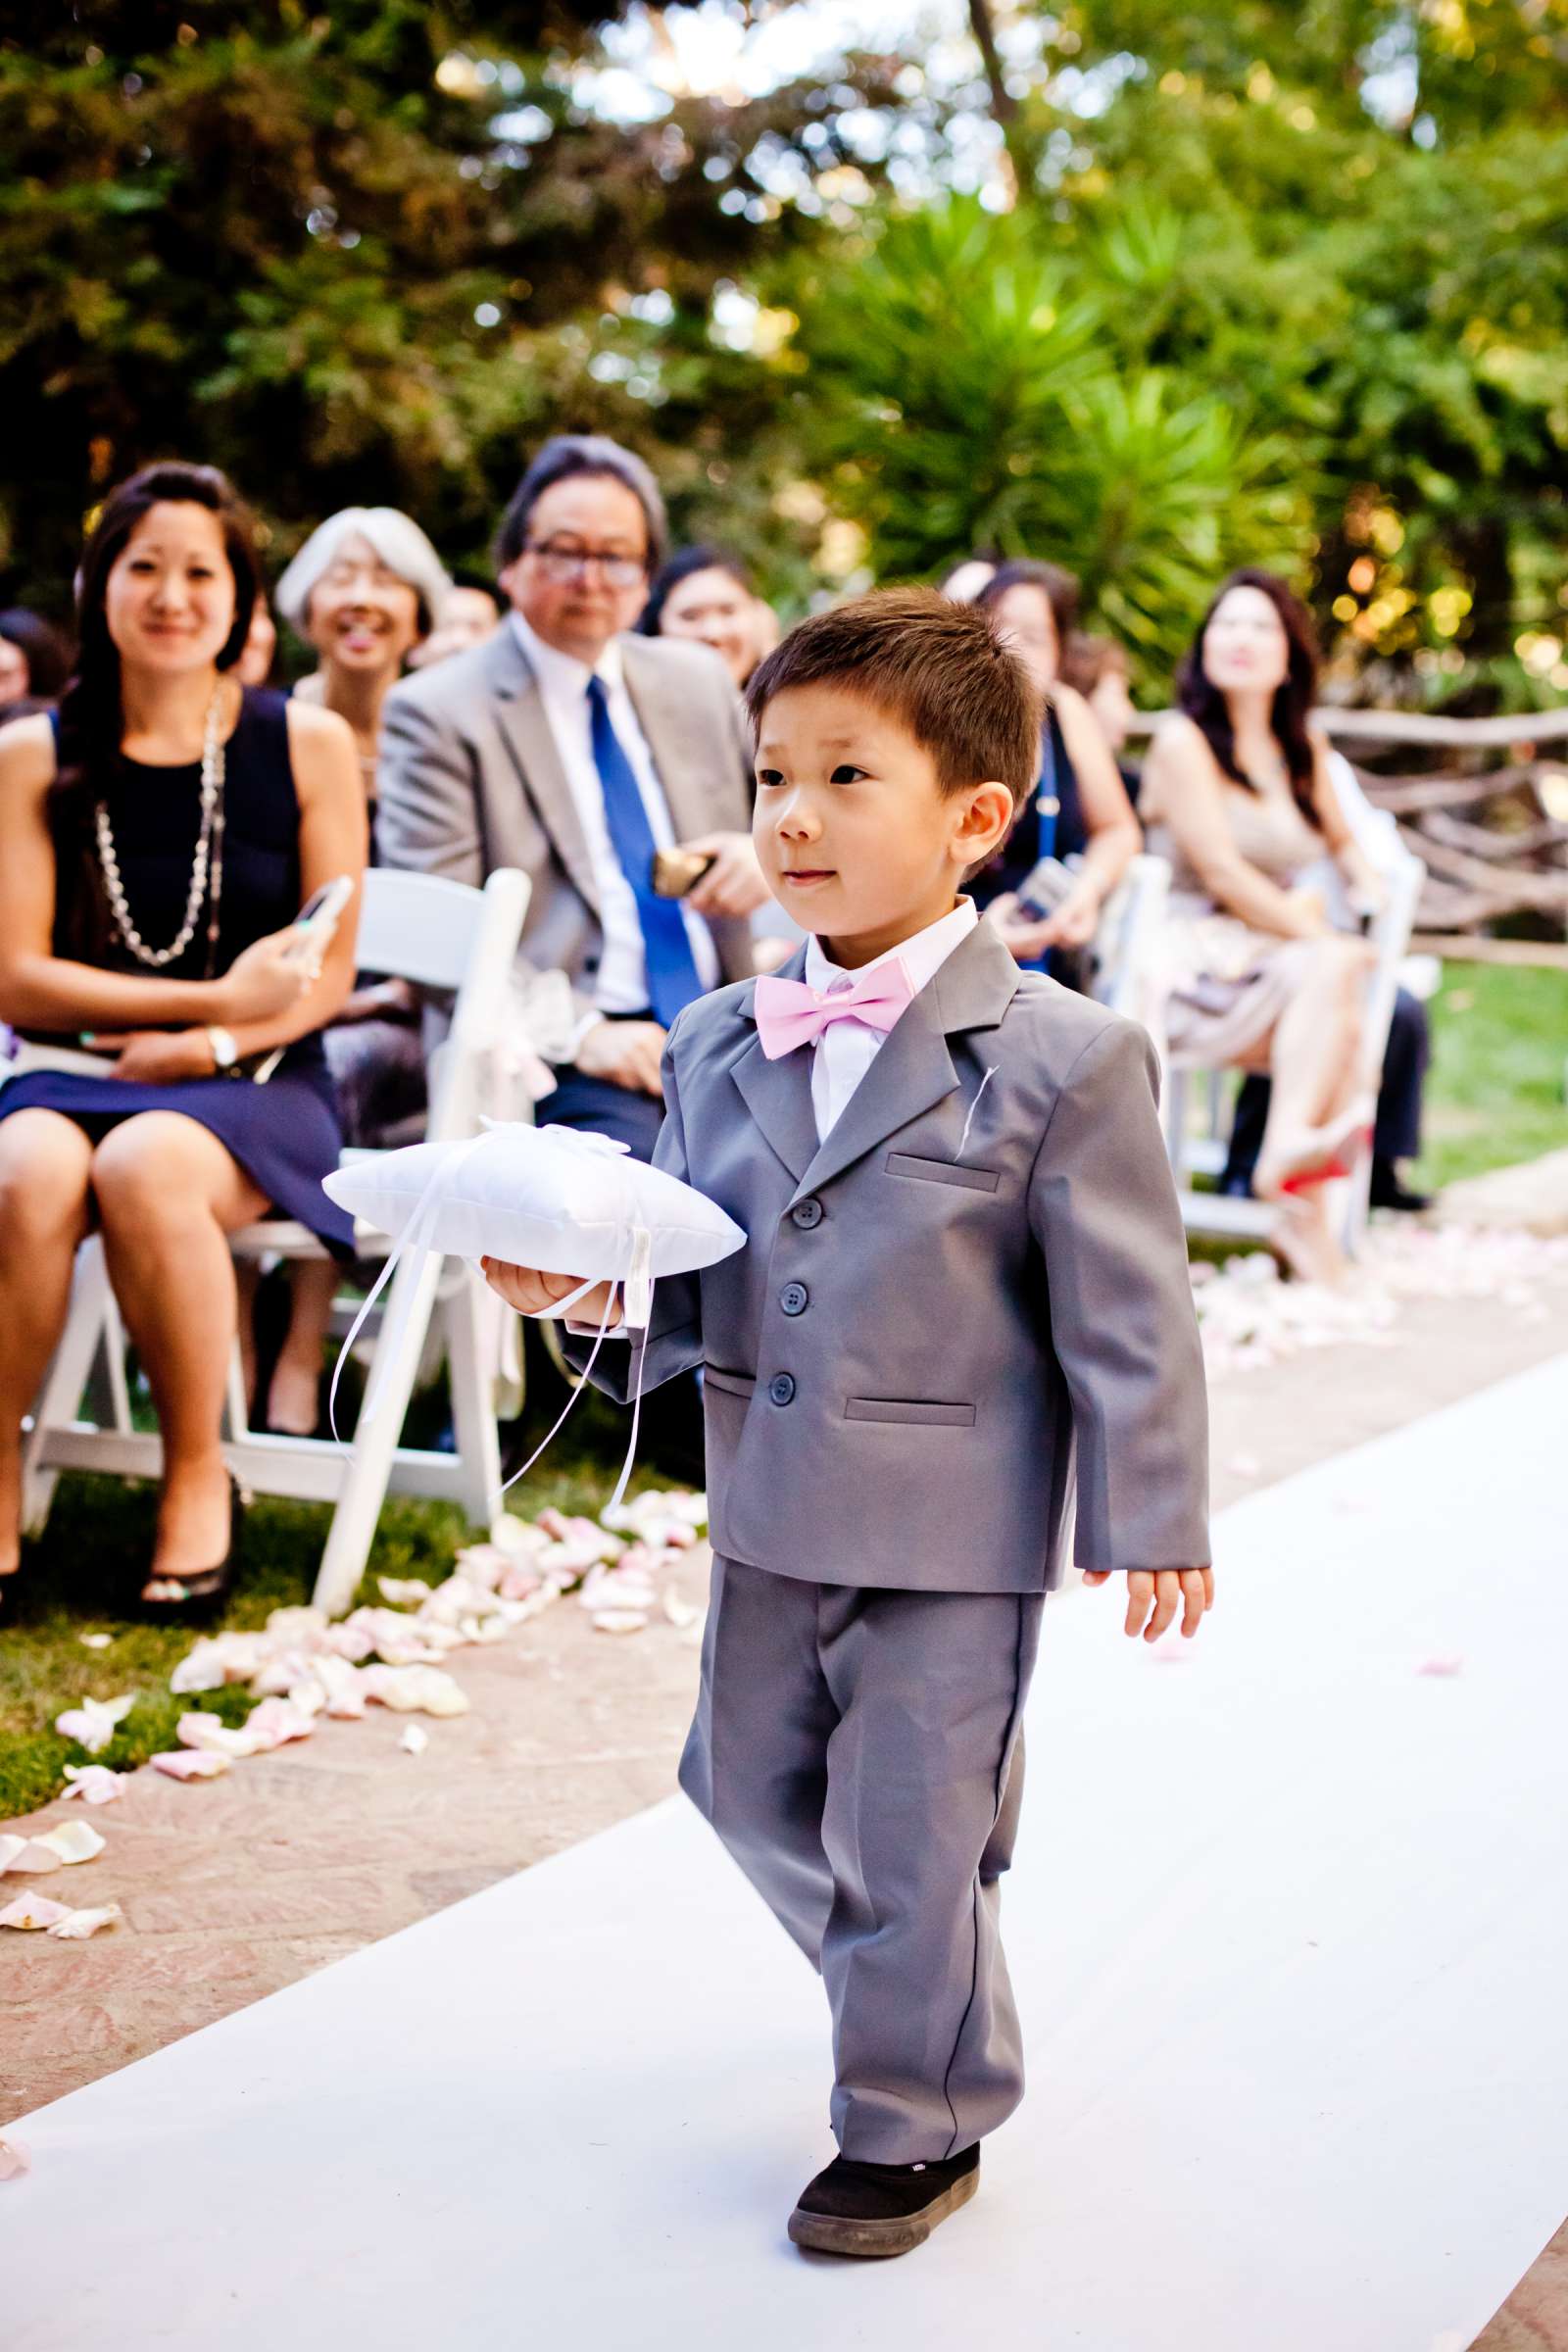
<point x="943" y="1171"/>
<point x="910" y="1410"/>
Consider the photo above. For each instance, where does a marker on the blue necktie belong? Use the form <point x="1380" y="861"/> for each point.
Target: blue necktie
<point x="672" y="980"/>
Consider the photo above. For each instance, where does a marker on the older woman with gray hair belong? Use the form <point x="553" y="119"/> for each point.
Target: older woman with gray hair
<point x="365" y="589"/>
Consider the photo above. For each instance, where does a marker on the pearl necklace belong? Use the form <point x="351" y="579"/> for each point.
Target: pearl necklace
<point x="209" y="858"/>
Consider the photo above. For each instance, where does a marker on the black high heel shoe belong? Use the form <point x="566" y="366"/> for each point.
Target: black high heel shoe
<point x="204" y="1591"/>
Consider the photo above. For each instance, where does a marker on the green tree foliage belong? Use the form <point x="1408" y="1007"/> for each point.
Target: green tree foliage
<point x="1347" y="220"/>
<point x="1255" y="282"/>
<point x="965" y="387"/>
<point x="366" y="252"/>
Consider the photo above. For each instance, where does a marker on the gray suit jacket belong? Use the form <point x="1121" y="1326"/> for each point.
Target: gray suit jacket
<point x="923" y="1350"/>
<point x="471" y="780"/>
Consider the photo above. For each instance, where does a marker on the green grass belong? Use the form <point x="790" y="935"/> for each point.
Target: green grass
<point x="1496" y="1090"/>
<point x="83" y="1575"/>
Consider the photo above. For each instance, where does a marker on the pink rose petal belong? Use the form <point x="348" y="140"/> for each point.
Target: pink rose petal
<point x="93" y="1723"/>
<point x="33" y="1911"/>
<point x="191" y="1764"/>
<point x="277" y="1720"/>
<point x="30" y="1856"/>
<point x="415" y="1689"/>
<point x="95" y="1783"/>
<point x="1442" y="1665"/>
<point x="78" y="1926"/>
<point x="15" y="2160"/>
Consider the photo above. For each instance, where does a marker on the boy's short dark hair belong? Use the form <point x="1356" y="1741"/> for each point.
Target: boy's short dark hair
<point x="940" y="668"/>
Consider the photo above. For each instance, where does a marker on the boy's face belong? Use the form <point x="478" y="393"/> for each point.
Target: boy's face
<point x="855" y="837"/>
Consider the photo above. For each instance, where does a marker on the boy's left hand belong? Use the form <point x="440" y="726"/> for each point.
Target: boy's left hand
<point x="1189" y="1590"/>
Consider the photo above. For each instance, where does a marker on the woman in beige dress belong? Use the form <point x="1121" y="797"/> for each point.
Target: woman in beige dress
<point x="1237" y="794"/>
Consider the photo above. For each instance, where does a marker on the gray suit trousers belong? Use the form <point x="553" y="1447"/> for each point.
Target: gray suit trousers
<point x="858" y="1752"/>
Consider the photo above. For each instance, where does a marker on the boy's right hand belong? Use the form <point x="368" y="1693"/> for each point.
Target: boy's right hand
<point x="532" y="1293"/>
<point x="1187" y="1590"/>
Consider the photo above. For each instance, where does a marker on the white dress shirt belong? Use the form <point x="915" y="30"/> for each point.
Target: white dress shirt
<point x="846" y="1050"/>
<point x="622" y="982"/>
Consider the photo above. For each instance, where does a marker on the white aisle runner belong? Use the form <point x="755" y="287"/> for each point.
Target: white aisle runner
<point x="1288" y="1924"/>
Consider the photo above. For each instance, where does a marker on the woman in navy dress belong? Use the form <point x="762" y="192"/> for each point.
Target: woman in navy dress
<point x="156" y="842"/>
<point x="1080" y="808"/>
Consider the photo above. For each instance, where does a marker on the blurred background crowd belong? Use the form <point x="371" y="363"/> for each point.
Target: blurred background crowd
<point x="541" y="372"/>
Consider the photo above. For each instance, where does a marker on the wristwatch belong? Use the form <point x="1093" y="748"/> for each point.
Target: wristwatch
<point x="225" y="1051"/>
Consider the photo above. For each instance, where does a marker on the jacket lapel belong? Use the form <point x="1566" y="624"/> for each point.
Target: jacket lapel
<point x="524" y="724"/>
<point x="778" y="1094"/>
<point x="678" y="732"/>
<point x="912" y="1071"/>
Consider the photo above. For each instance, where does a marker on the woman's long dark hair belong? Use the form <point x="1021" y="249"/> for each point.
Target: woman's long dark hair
<point x="1204" y="702"/>
<point x="680" y="566"/>
<point x="91" y="712"/>
<point x="1058" y="588"/>
<point x="45" y="650"/>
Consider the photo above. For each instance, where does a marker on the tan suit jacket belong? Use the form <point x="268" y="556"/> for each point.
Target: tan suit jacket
<point x="471" y="780"/>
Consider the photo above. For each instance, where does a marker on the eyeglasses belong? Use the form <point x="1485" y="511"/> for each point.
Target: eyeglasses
<point x="558" y="563"/>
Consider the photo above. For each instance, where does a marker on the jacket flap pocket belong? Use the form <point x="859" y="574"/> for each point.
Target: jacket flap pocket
<point x="733" y="1384"/>
<point x="943" y="1171"/>
<point x="897" y="1408"/>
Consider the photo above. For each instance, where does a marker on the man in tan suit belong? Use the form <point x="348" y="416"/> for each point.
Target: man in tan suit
<point x="566" y="747"/>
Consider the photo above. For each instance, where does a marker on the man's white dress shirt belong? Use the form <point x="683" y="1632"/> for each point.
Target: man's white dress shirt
<point x="846" y="1050"/>
<point x="620" y="983"/>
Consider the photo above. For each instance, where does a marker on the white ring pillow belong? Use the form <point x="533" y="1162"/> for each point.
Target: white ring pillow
<point x="542" y="1197"/>
<point x="549" y="1197"/>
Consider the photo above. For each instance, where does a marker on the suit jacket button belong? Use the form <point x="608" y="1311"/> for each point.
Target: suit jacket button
<point x="781" y="1388"/>
<point x="806" y="1214"/>
<point x="794" y="1297"/>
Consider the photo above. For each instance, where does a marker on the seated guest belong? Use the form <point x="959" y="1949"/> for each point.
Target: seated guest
<point x="259" y="655"/>
<point x="1396" y="1131"/>
<point x="1080" y="807"/>
<point x="157" y="840"/>
<point x="34" y="663"/>
<point x="472" y="613"/>
<point x="1238" y="795"/>
<point x="577" y="752"/>
<point x="708" y="597"/>
<point x="1098" y="668"/>
<point x="1396" y="1124"/>
<point x="365" y="590"/>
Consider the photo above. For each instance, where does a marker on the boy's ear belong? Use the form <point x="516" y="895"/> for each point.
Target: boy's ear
<point x="985" y="823"/>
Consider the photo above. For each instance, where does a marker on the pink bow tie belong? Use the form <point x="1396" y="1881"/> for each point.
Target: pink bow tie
<point x="791" y="1014"/>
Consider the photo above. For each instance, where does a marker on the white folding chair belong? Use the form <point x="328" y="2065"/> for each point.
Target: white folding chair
<point x="1126" y="950"/>
<point x="1199" y="1147"/>
<point x="439" y="935"/>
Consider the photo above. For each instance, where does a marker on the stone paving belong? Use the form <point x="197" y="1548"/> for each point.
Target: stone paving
<point x="235" y="1888"/>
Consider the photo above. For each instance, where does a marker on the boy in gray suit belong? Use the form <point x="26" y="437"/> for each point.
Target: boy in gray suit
<point x="964" y="1302"/>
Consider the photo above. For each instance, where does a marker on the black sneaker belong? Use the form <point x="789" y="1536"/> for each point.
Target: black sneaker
<point x="873" y="2210"/>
